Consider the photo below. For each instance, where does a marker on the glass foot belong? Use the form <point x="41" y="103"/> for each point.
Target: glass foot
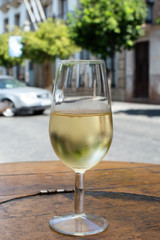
<point x="79" y="224"/>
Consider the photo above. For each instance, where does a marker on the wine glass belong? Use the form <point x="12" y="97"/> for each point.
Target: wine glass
<point x="80" y="133"/>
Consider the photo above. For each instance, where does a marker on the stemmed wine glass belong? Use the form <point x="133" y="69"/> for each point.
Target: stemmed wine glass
<point x="80" y="133"/>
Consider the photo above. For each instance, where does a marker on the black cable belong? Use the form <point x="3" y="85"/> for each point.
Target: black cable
<point x="42" y="192"/>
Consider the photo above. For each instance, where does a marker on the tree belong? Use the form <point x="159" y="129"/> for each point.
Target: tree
<point x="5" y="59"/>
<point x="51" y="40"/>
<point x="106" y="26"/>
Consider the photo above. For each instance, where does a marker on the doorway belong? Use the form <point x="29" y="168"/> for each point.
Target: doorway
<point x="141" y="70"/>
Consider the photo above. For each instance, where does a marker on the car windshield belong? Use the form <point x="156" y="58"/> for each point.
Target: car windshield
<point x="11" y="83"/>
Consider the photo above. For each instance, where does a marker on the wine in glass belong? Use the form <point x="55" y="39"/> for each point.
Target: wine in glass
<point x="80" y="133"/>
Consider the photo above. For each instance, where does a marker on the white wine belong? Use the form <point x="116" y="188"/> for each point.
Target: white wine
<point x="81" y="141"/>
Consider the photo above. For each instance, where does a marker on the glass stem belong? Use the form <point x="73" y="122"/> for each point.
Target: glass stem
<point x="79" y="193"/>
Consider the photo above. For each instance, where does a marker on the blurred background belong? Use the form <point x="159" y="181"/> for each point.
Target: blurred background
<point x="35" y="34"/>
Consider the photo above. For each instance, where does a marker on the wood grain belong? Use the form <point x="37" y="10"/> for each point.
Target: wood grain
<point x="127" y="194"/>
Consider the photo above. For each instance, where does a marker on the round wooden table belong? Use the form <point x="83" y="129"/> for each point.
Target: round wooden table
<point x="127" y="194"/>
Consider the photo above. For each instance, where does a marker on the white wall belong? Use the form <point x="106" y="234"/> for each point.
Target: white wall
<point x="155" y="53"/>
<point x="129" y="74"/>
<point x="72" y="4"/>
<point x="155" y="66"/>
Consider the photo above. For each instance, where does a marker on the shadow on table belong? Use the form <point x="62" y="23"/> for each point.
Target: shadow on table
<point x="144" y="112"/>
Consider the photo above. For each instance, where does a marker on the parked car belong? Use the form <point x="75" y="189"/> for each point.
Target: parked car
<point x="16" y="96"/>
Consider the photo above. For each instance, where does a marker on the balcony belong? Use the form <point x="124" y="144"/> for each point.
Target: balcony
<point x="6" y="4"/>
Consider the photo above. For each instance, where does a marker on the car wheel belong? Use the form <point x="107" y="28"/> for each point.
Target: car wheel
<point x="10" y="110"/>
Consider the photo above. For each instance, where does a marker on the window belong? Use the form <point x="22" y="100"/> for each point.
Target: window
<point x="63" y="9"/>
<point x="149" y="13"/>
<point x="150" y="4"/>
<point x="17" y="20"/>
<point x="46" y="9"/>
<point x="6" y="23"/>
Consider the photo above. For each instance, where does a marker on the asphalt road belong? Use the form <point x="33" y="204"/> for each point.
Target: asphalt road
<point x="136" y="136"/>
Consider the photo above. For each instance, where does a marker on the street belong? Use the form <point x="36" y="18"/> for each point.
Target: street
<point x="136" y="135"/>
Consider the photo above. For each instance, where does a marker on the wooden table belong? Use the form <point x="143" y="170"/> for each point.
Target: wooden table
<point x="127" y="194"/>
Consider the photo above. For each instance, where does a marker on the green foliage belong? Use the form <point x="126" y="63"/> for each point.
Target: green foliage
<point x="51" y="40"/>
<point x="106" y="26"/>
<point x="5" y="60"/>
<point x="158" y="20"/>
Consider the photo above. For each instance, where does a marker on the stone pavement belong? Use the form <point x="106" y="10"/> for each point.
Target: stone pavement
<point x="136" y="135"/>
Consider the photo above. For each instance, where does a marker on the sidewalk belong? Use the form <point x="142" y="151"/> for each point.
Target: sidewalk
<point x="136" y="134"/>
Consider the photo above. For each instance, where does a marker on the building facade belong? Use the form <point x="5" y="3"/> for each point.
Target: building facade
<point x="15" y="13"/>
<point x="12" y="13"/>
<point x="141" y="82"/>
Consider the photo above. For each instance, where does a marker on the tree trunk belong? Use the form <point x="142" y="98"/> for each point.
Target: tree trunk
<point x="9" y="70"/>
<point x="112" y="67"/>
<point x="47" y="81"/>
